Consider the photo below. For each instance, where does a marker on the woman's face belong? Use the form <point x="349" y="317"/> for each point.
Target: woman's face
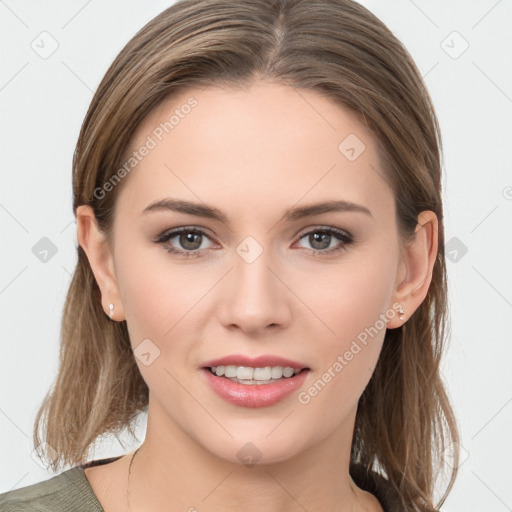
<point x="260" y="280"/>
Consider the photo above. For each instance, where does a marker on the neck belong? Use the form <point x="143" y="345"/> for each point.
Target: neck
<point x="172" y="471"/>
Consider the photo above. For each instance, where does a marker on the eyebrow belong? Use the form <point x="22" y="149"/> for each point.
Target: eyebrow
<point x="293" y="214"/>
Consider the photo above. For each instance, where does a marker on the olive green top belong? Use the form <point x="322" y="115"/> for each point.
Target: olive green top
<point x="66" y="492"/>
<point x="71" y="491"/>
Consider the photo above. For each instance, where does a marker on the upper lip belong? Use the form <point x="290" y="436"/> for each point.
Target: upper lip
<point x="254" y="362"/>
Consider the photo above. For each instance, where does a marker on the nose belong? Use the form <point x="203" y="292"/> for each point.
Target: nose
<point x="255" y="297"/>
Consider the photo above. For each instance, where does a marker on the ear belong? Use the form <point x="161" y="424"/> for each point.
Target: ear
<point x="415" y="275"/>
<point x="99" y="254"/>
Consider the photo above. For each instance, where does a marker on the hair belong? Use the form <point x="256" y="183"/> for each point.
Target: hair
<point x="338" y="48"/>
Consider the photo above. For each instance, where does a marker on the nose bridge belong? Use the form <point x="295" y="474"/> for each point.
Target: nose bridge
<point x="252" y="266"/>
<point x="257" y="297"/>
<point x="254" y="281"/>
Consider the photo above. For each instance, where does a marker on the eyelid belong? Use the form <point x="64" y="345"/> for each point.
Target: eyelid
<point x="207" y="233"/>
<point x="342" y="235"/>
<point x="172" y="232"/>
<point x="320" y="227"/>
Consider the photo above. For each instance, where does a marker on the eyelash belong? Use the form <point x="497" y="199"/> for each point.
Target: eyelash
<point x="345" y="237"/>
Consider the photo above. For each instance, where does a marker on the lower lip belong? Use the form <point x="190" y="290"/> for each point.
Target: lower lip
<point x="254" y="395"/>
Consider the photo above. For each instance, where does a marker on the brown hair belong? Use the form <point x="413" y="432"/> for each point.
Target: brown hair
<point x="337" y="48"/>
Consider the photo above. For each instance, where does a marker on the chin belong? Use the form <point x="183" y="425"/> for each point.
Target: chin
<point x="256" y="449"/>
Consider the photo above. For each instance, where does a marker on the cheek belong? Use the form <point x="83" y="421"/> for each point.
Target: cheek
<point x="347" y="353"/>
<point x="165" y="303"/>
<point x="156" y="293"/>
<point x="352" y="303"/>
<point x="352" y="297"/>
<point x="161" y="306"/>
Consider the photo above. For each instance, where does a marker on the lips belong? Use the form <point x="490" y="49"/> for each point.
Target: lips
<point x="252" y="396"/>
<point x="254" y="362"/>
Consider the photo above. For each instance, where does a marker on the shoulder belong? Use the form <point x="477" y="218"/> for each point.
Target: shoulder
<point x="69" y="490"/>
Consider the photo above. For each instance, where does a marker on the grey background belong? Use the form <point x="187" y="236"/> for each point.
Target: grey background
<point x="462" y="49"/>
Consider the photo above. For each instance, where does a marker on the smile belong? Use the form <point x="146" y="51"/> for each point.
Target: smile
<point x="249" y="375"/>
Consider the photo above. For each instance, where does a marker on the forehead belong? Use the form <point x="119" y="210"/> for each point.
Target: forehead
<point x="269" y="142"/>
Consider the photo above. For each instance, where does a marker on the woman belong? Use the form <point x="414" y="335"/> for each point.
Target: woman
<point x="257" y="189"/>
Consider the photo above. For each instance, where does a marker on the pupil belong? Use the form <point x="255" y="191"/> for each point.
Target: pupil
<point x="319" y="236"/>
<point x="187" y="240"/>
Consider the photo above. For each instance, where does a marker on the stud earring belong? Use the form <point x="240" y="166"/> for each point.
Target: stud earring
<point x="111" y="310"/>
<point x="401" y="312"/>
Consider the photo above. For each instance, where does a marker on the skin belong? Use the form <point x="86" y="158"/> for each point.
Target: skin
<point x="252" y="153"/>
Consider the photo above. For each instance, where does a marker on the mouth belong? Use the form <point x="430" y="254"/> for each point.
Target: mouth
<point x="254" y="381"/>
<point x="258" y="386"/>
<point x="255" y="375"/>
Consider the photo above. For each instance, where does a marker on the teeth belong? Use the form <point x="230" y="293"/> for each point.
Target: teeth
<point x="263" y="373"/>
<point x="276" y="372"/>
<point x="251" y="375"/>
<point x="229" y="371"/>
<point x="287" y="372"/>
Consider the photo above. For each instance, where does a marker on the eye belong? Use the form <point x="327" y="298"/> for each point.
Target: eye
<point x="190" y="239"/>
<point x="322" y="239"/>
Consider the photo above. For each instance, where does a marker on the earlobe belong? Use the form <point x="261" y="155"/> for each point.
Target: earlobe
<point x="419" y="256"/>
<point x="100" y="257"/>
